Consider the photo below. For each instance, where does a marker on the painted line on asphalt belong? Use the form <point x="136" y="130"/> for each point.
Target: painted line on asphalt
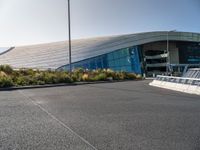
<point x="57" y="120"/>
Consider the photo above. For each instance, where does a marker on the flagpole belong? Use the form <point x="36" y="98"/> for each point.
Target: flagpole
<point x="69" y="30"/>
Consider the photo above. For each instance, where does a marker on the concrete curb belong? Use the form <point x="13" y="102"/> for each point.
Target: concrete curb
<point x="60" y="85"/>
<point x="185" y="88"/>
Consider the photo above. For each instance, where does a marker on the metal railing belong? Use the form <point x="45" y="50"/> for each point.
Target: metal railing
<point x="180" y="80"/>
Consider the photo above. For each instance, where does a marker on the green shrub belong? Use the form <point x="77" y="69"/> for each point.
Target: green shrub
<point x="74" y="78"/>
<point x="85" y="77"/>
<point x="50" y="78"/>
<point x="3" y="74"/>
<point x="6" y="68"/>
<point x="22" y="77"/>
<point x="100" y="77"/>
<point x="77" y="74"/>
<point x="26" y="72"/>
<point x="40" y="82"/>
<point x="119" y="76"/>
<point x="139" y="77"/>
<point x="6" y="82"/>
<point x="63" y="77"/>
<point x="130" y="76"/>
<point x="25" y="80"/>
<point x="78" y="70"/>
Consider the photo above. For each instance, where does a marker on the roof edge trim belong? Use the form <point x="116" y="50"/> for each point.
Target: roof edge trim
<point x="6" y="51"/>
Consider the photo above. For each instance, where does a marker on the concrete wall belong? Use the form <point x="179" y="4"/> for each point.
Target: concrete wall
<point x="174" y="52"/>
<point x="174" y="56"/>
<point x="155" y="46"/>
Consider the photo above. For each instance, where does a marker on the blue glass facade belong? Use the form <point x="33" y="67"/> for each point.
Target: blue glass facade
<point x="127" y="59"/>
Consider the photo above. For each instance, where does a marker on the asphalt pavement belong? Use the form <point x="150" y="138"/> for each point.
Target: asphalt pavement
<point x="108" y="116"/>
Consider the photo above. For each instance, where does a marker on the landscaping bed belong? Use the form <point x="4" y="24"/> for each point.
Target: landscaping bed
<point x="28" y="77"/>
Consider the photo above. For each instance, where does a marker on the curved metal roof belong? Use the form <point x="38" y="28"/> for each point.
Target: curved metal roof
<point x="54" y="55"/>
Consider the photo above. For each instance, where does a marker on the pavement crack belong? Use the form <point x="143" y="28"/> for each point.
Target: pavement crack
<point x="57" y="120"/>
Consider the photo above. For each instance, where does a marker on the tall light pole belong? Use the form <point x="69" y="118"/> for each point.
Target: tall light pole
<point x="168" y="55"/>
<point x="70" y="45"/>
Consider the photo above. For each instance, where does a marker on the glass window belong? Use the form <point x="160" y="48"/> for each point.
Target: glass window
<point x="118" y="60"/>
<point x="116" y="55"/>
<point x="110" y="56"/>
<point x="112" y="63"/>
<point x="99" y="64"/>
<point x="92" y="64"/>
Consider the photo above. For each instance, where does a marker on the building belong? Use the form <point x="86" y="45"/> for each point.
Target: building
<point x="150" y="53"/>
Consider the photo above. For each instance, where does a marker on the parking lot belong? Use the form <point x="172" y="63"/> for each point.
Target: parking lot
<point x="108" y="116"/>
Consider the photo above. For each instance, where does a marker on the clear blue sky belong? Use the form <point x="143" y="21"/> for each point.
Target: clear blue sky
<point x="24" y="22"/>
